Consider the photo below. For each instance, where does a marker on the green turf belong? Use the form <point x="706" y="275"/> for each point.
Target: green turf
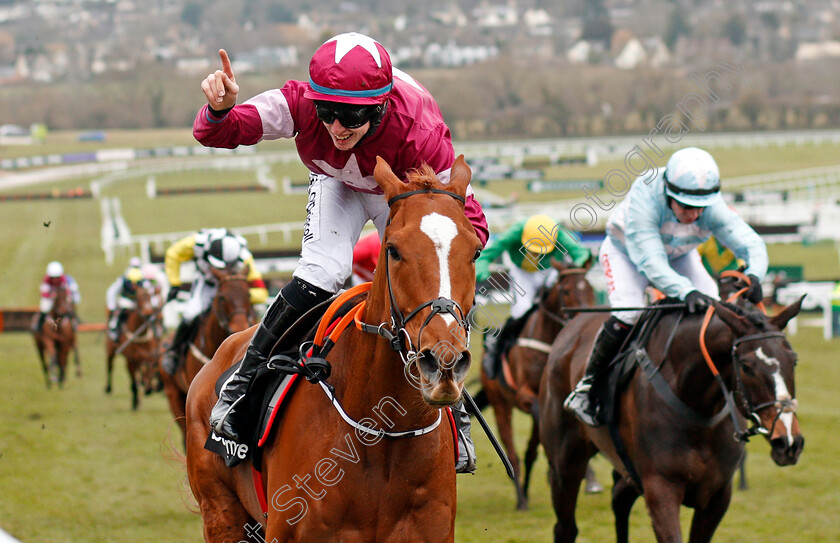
<point x="79" y="466"/>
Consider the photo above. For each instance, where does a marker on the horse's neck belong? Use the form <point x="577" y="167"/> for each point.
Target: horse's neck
<point x="377" y="374"/>
<point x="211" y="334"/>
<point x="692" y="378"/>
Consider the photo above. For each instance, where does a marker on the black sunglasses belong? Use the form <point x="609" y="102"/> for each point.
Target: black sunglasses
<point x="350" y="116"/>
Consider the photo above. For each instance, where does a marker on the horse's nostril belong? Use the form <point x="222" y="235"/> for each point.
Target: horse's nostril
<point x="427" y="364"/>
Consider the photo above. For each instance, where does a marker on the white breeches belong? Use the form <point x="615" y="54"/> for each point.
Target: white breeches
<point x="526" y="285"/>
<point x="335" y="216"/>
<point x="626" y="286"/>
<point x="201" y="296"/>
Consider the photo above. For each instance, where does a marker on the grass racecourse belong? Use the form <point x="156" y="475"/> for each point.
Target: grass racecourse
<point x="79" y="466"/>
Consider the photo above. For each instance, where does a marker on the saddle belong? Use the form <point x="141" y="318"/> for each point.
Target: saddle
<point x="275" y="382"/>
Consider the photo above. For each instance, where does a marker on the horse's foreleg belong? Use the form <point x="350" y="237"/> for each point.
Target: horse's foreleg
<point x="706" y="520"/>
<point x="531" y="455"/>
<point x="39" y="345"/>
<point x="76" y="360"/>
<point x="567" y="469"/>
<point x="624" y="495"/>
<point x="663" y="499"/>
<point x="132" y="368"/>
<point x="109" y="367"/>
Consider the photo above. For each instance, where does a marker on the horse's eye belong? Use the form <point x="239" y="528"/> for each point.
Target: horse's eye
<point x="748" y="369"/>
<point x="393" y="253"/>
<point x="476" y="255"/>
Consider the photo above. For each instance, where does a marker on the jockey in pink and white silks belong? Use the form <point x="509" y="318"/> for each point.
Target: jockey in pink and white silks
<point x="651" y="240"/>
<point x="54" y="278"/>
<point x="354" y="108"/>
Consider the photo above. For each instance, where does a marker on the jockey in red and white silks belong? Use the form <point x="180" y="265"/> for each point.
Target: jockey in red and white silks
<point x="354" y="108"/>
<point x="342" y="192"/>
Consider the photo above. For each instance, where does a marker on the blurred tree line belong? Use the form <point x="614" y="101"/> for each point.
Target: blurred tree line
<point x="503" y="98"/>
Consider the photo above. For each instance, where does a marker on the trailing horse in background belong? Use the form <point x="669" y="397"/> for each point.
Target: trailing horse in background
<point x="139" y="345"/>
<point x="403" y="362"/>
<point x="230" y="312"/>
<point x="56" y="338"/>
<point x="518" y="384"/>
<point x="670" y="433"/>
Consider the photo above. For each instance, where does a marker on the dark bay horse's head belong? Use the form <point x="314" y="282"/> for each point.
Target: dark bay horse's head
<point x="572" y="289"/>
<point x="428" y="256"/>
<point x="232" y="303"/>
<point x="763" y="369"/>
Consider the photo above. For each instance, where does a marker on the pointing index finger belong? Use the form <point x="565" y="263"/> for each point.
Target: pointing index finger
<point x="226" y="63"/>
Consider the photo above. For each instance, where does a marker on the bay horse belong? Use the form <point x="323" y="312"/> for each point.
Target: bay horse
<point x="525" y="362"/>
<point x="230" y="312"/>
<point x="57" y="337"/>
<point x="405" y="359"/>
<point x="139" y="343"/>
<point x="677" y="437"/>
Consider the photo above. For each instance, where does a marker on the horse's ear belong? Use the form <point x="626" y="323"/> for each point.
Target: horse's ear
<point x="557" y="264"/>
<point x="387" y="180"/>
<point x="740" y="325"/>
<point x="784" y="316"/>
<point x="459" y="178"/>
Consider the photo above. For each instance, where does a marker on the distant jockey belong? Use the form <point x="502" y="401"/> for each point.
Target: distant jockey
<point x="209" y="248"/>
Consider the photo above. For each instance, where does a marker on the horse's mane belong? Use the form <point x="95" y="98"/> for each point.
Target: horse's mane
<point x="423" y="177"/>
<point x="753" y="315"/>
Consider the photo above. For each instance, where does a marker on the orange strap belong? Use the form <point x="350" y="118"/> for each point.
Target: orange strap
<point x="742" y="277"/>
<point x="328" y="316"/>
<point x="708" y="318"/>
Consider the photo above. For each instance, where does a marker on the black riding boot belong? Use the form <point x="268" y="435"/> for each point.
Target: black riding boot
<point x="466" y="449"/>
<point x="495" y="346"/>
<point x="490" y="358"/>
<point x="39" y="323"/>
<point x="178" y="346"/>
<point x="295" y="299"/>
<point x="607" y="343"/>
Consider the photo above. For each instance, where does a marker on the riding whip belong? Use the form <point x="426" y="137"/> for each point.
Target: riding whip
<point x="487" y="430"/>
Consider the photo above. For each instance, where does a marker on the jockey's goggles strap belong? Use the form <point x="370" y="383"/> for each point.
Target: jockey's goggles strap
<point x="426" y="191"/>
<point x="691" y="192"/>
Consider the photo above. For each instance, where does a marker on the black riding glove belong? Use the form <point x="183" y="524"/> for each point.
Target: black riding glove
<point x="754" y="293"/>
<point x="173" y="293"/>
<point x="696" y="301"/>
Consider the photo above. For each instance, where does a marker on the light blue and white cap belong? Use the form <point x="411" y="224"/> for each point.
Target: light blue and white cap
<point x="692" y="178"/>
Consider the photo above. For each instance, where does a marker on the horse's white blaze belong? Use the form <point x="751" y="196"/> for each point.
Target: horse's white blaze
<point x="782" y="393"/>
<point x="441" y="230"/>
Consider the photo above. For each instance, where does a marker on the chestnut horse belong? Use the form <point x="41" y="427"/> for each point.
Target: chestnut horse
<point x="672" y="439"/>
<point x="230" y="312"/>
<point x="526" y="361"/>
<point x="403" y="362"/>
<point x="140" y="346"/>
<point x="56" y="338"/>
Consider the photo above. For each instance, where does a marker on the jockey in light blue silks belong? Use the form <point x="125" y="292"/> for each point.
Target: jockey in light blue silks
<point x="651" y="240"/>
